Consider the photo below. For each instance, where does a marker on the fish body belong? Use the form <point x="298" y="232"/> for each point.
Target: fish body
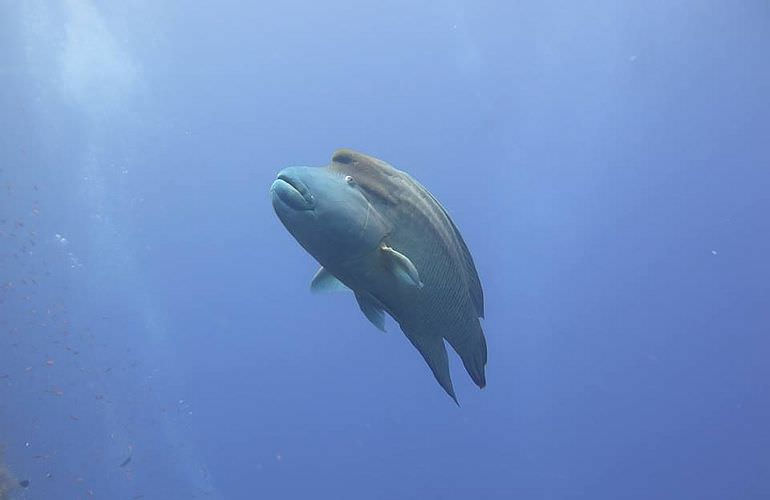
<point x="380" y="233"/>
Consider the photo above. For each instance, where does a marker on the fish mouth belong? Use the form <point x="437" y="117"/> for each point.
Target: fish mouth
<point x="292" y="192"/>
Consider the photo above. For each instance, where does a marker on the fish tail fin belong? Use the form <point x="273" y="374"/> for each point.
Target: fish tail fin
<point x="473" y="352"/>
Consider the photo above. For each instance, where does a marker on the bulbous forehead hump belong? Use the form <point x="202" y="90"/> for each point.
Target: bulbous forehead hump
<point x="375" y="176"/>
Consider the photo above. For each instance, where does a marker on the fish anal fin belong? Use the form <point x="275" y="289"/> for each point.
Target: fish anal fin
<point x="372" y="309"/>
<point x="434" y="352"/>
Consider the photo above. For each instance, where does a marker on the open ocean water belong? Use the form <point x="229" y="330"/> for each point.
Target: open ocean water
<point x="607" y="163"/>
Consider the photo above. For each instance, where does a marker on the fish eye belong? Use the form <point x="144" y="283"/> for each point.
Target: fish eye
<point x="349" y="180"/>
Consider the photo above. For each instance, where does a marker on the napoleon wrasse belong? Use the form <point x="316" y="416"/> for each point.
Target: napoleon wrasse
<point x="378" y="232"/>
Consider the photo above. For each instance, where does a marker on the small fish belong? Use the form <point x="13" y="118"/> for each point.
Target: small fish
<point x="24" y="483"/>
<point x="126" y="461"/>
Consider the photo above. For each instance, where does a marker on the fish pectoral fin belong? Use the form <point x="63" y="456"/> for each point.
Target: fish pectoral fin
<point x="372" y="309"/>
<point x="401" y="267"/>
<point x="324" y="281"/>
<point x="433" y="351"/>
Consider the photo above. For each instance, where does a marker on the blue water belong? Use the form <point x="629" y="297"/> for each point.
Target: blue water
<point x="607" y="163"/>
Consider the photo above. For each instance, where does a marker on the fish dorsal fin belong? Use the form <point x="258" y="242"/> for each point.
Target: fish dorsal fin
<point x="474" y="283"/>
<point x="472" y="276"/>
<point x="324" y="281"/>
<point x="434" y="352"/>
<point x="372" y="309"/>
<point x="401" y="267"/>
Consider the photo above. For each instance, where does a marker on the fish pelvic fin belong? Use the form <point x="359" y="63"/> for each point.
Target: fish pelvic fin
<point x="324" y="281"/>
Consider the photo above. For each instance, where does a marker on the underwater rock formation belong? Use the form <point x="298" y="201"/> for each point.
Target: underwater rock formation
<point x="7" y="482"/>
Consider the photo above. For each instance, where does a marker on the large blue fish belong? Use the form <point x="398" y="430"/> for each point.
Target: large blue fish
<point x="378" y="232"/>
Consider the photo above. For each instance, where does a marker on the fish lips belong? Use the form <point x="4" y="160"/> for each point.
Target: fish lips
<point x="290" y="191"/>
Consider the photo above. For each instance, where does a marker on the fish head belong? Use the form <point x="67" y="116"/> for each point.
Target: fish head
<point x="327" y="213"/>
